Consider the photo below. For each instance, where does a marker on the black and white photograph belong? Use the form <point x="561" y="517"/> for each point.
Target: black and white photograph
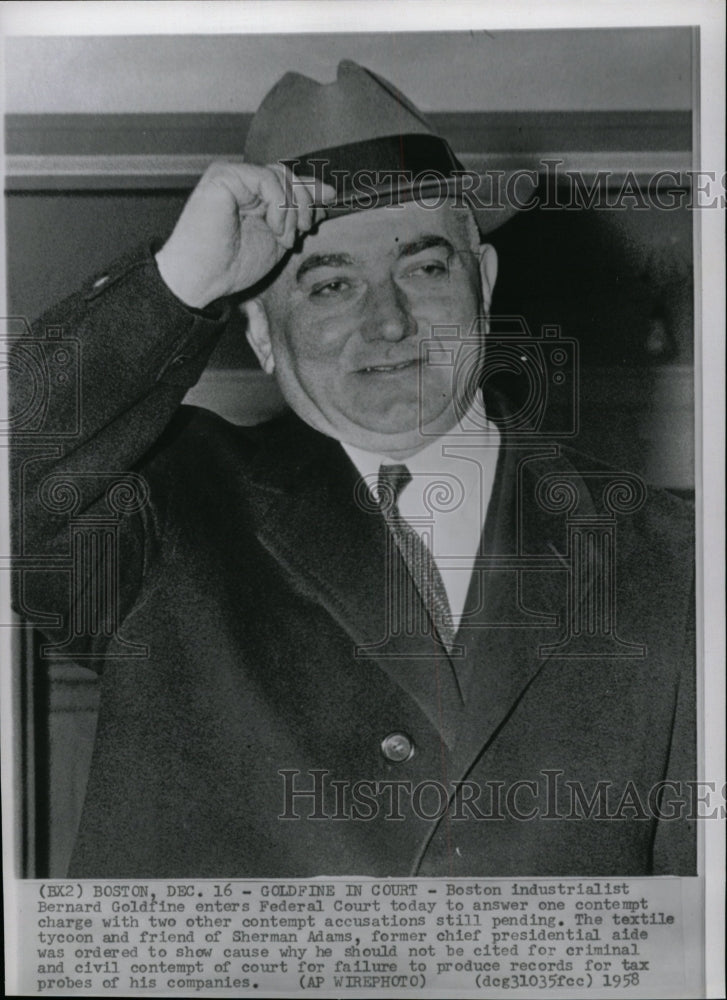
<point x="355" y="497"/>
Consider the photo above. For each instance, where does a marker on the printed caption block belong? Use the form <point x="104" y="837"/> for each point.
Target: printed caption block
<point x="348" y="937"/>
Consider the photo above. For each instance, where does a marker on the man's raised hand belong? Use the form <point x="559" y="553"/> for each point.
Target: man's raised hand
<point x="237" y="225"/>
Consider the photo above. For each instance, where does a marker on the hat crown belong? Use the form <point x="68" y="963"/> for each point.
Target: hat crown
<point x="300" y="115"/>
<point x="365" y="139"/>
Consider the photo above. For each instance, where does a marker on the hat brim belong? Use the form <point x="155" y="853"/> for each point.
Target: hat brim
<point x="393" y="170"/>
<point x="488" y="214"/>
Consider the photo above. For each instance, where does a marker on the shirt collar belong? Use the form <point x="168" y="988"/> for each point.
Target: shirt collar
<point x="430" y="458"/>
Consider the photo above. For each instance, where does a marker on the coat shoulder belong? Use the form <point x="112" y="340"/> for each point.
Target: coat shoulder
<point x="655" y="525"/>
<point x="199" y="439"/>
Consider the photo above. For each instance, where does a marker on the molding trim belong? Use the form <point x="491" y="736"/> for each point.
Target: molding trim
<point x="39" y="173"/>
<point x="468" y="132"/>
<point x="139" y="151"/>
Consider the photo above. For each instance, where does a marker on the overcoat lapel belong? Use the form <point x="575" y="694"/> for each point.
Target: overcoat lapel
<point x="517" y="598"/>
<point x="312" y="516"/>
<point x="511" y="613"/>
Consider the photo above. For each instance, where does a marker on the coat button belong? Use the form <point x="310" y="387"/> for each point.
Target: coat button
<point x="397" y="747"/>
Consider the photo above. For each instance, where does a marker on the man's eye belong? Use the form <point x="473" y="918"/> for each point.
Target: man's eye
<point x="432" y="269"/>
<point x="328" y="289"/>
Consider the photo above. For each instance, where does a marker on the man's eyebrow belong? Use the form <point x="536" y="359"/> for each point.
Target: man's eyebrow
<point x="323" y="260"/>
<point x="425" y="243"/>
<point x="346" y="260"/>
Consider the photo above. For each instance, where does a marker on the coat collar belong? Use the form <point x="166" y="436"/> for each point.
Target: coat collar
<point x="517" y="602"/>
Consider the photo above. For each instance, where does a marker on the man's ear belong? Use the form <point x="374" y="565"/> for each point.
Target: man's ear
<point x="488" y="272"/>
<point x="258" y="334"/>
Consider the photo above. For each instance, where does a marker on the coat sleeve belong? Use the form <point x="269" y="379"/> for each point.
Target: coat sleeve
<point x="93" y="385"/>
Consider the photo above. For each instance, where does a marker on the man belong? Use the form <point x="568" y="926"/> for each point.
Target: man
<point x="383" y="635"/>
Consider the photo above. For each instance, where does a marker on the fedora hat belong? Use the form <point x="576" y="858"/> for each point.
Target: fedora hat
<point x="367" y="140"/>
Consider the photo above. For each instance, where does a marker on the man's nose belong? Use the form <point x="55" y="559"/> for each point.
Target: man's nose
<point x="388" y="316"/>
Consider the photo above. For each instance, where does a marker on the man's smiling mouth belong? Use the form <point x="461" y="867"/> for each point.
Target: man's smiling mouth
<point x="400" y="366"/>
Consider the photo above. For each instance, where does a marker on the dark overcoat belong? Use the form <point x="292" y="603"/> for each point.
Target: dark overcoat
<point x="231" y="586"/>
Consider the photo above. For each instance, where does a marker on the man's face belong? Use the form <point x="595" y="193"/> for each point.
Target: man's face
<point x="346" y="317"/>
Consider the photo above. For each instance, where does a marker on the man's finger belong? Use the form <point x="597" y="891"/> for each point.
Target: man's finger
<point x="275" y="196"/>
<point x="321" y="193"/>
<point x="304" y="203"/>
<point x="309" y="189"/>
<point x="289" y="206"/>
<point x="315" y="196"/>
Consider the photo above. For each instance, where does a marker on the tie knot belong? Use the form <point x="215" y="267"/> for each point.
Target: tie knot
<point x="392" y="480"/>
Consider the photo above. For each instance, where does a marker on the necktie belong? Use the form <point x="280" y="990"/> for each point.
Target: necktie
<point x="415" y="553"/>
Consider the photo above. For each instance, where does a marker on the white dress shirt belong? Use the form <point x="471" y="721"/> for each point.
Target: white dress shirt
<point x="464" y="461"/>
